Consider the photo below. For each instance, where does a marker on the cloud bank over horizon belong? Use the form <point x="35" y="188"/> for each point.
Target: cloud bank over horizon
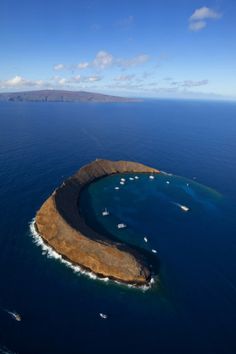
<point x="137" y="51"/>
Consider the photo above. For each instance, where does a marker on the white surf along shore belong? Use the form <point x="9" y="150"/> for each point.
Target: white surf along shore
<point x="51" y="253"/>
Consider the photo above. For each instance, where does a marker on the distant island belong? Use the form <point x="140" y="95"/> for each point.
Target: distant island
<point x="62" y="96"/>
<point x="61" y="226"/>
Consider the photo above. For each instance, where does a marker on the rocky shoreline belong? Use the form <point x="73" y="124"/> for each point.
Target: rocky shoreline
<point x="61" y="226"/>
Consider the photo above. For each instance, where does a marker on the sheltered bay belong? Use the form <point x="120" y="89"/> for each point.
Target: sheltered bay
<point x="61" y="226"/>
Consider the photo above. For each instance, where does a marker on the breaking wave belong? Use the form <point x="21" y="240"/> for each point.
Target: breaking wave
<point x="51" y="253"/>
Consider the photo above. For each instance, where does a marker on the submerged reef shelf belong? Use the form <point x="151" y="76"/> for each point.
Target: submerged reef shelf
<point x="61" y="226"/>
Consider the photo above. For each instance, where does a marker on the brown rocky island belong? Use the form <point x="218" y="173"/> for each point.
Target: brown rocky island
<point x="61" y="226"/>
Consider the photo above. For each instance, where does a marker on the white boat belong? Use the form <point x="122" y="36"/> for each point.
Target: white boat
<point x="167" y="182"/>
<point x="184" y="208"/>
<point x="105" y="212"/>
<point x="154" y="251"/>
<point x="187" y="184"/>
<point x="117" y="188"/>
<point x="103" y="315"/>
<point x="145" y="239"/>
<point x="151" y="177"/>
<point x="15" y="315"/>
<point x="121" y="182"/>
<point x="121" y="226"/>
<point x="136" y="177"/>
<point x="122" y="179"/>
<point x="131" y="178"/>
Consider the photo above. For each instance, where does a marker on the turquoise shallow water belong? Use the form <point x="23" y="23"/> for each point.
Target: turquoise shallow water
<point x="192" y="309"/>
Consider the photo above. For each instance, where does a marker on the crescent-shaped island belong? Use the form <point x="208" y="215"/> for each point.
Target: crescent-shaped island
<point x="62" y="227"/>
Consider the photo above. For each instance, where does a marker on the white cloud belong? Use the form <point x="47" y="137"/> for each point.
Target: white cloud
<point x="126" y="86"/>
<point x="59" y="67"/>
<point x="75" y="80"/>
<point x="198" y="20"/>
<point x="61" y="81"/>
<point x="124" y="78"/>
<point x="15" y="81"/>
<point x="197" y="25"/>
<point x="83" y="65"/>
<point x="19" y="82"/>
<point x="103" y="60"/>
<point x="137" y="60"/>
<point x="189" y="83"/>
<point x="93" y="78"/>
<point x="204" y="13"/>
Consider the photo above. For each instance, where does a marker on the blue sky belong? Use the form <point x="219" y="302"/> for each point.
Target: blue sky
<point x="152" y="48"/>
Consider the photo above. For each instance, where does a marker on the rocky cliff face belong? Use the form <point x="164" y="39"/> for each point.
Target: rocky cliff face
<point x="61" y="226"/>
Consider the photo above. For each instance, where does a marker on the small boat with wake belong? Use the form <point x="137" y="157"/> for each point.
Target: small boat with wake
<point x="105" y="212"/>
<point x="181" y="206"/>
<point x="184" y="208"/>
<point x="145" y="239"/>
<point x="103" y="315"/>
<point x="121" y="226"/>
<point x="14" y="315"/>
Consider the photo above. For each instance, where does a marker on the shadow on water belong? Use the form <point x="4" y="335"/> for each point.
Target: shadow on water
<point x="89" y="215"/>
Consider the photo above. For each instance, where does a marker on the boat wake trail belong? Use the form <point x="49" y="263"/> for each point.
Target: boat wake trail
<point x="5" y="350"/>
<point x="13" y="314"/>
<point x="182" y="207"/>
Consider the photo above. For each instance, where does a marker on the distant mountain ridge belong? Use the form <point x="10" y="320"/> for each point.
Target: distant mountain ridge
<point x="62" y="96"/>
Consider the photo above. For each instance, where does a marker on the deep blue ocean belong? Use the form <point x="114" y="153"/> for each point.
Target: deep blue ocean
<point x="192" y="308"/>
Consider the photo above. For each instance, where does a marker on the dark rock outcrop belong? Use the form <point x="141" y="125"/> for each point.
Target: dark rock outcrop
<point x="59" y="223"/>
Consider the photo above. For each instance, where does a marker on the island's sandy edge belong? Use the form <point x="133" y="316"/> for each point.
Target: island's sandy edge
<point x="61" y="226"/>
